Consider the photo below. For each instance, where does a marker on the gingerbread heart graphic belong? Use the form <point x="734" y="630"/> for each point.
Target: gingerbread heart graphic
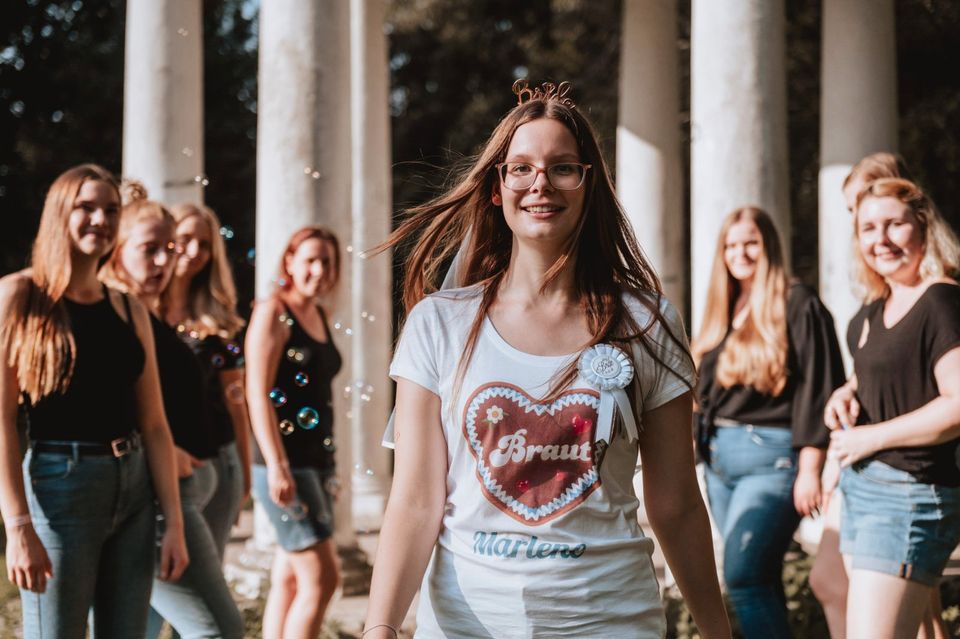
<point x="535" y="461"/>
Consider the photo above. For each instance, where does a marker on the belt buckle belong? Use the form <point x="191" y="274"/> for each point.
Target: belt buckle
<point x="122" y="446"/>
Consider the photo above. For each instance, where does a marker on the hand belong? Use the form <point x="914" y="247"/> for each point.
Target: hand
<point x="830" y="479"/>
<point x="185" y="462"/>
<point x="280" y="482"/>
<point x="842" y="409"/>
<point x="850" y="446"/>
<point x="807" y="493"/>
<point x="28" y="566"/>
<point x="173" y="554"/>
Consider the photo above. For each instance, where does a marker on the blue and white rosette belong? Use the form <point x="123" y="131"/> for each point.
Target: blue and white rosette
<point x="610" y="369"/>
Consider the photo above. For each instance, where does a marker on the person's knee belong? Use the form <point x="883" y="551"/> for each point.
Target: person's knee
<point x="828" y="585"/>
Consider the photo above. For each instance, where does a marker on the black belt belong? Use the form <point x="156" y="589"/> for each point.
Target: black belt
<point x="119" y="447"/>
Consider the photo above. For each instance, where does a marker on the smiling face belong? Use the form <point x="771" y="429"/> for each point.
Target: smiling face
<point x="93" y="222"/>
<point x="542" y="213"/>
<point x="148" y="256"/>
<point x="890" y="238"/>
<point x="742" y="249"/>
<point x="312" y="268"/>
<point x="195" y="244"/>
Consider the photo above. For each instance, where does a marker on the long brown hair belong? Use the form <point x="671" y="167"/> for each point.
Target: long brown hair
<point x="35" y="332"/>
<point x="212" y="299"/>
<point x="941" y="248"/>
<point x="284" y="280"/>
<point x="755" y="354"/>
<point x="613" y="265"/>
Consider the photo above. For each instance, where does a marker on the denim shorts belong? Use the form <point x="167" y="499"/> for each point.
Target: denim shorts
<point x="894" y="524"/>
<point x="305" y="522"/>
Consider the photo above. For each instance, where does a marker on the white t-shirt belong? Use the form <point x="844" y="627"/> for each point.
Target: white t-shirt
<point x="535" y="541"/>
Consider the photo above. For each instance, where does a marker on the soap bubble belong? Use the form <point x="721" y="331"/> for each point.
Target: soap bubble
<point x="301" y="379"/>
<point x="235" y="393"/>
<point x="252" y="256"/>
<point x="278" y="397"/>
<point x="218" y="361"/>
<point x="233" y="348"/>
<point x="226" y="232"/>
<point x="286" y="427"/>
<point x="308" y="418"/>
<point x="328" y="444"/>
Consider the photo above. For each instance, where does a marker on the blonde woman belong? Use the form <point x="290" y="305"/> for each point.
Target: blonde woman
<point x="201" y="303"/>
<point x="199" y="604"/>
<point x="80" y="517"/>
<point x="896" y="418"/>
<point x="768" y="359"/>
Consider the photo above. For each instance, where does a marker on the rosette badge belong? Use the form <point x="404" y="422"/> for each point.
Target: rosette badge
<point x="610" y="370"/>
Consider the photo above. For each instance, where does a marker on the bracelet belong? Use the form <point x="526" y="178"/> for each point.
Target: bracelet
<point x="396" y="634"/>
<point x="17" y="522"/>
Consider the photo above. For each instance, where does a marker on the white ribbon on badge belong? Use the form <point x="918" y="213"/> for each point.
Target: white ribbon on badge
<point x="611" y="370"/>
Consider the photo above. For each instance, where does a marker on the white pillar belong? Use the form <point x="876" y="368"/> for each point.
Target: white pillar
<point x="739" y="123"/>
<point x="649" y="173"/>
<point x="858" y="116"/>
<point x="371" y="309"/>
<point x="163" y="98"/>
<point x="303" y="164"/>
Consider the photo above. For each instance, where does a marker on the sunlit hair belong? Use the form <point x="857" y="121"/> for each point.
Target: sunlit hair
<point x="876" y="166"/>
<point x="137" y="209"/>
<point x="611" y="265"/>
<point x="212" y="294"/>
<point x="35" y="332"/>
<point x="284" y="281"/>
<point x="755" y="354"/>
<point x="941" y="254"/>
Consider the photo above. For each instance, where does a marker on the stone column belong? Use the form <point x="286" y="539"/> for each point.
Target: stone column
<point x="858" y="116"/>
<point x="303" y="166"/>
<point x="371" y="309"/>
<point x="163" y="98"/>
<point x="649" y="173"/>
<point x="739" y="123"/>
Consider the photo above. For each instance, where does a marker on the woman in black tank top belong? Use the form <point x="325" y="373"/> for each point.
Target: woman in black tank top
<point x="200" y="603"/>
<point x="80" y="518"/>
<point x="291" y="362"/>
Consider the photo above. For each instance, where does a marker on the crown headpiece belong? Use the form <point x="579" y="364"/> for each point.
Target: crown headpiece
<point x="546" y="91"/>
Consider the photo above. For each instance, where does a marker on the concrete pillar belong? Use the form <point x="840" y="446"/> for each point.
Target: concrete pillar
<point x="163" y="98"/>
<point x="649" y="173"/>
<point x="739" y="123"/>
<point x="371" y="309"/>
<point x="303" y="165"/>
<point x="858" y="116"/>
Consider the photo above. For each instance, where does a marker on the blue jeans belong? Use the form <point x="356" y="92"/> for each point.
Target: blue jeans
<point x="224" y="506"/>
<point x="95" y="516"/>
<point x="199" y="604"/>
<point x="750" y="487"/>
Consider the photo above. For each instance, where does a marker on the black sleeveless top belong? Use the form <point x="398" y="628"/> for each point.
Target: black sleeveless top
<point x="303" y="397"/>
<point x="181" y="379"/>
<point x="215" y="355"/>
<point x="100" y="403"/>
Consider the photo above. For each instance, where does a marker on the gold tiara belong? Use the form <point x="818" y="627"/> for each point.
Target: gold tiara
<point x="546" y="91"/>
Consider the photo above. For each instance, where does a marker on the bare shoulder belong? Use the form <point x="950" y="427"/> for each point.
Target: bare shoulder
<point x="13" y="287"/>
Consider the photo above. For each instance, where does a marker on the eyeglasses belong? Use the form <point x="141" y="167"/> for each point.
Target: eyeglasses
<point x="520" y="176"/>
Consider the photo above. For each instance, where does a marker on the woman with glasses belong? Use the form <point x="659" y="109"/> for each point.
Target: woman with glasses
<point x="199" y="603"/>
<point x="768" y="359"/>
<point x="80" y="517"/>
<point x="291" y="363"/>
<point x="524" y="394"/>
<point x="201" y="302"/>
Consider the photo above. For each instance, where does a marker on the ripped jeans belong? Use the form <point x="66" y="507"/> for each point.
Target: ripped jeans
<point x="750" y="488"/>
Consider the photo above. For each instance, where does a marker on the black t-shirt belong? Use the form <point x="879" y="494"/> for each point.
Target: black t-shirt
<point x="305" y="380"/>
<point x="181" y="379"/>
<point x="814" y="370"/>
<point x="216" y="354"/>
<point x="894" y="370"/>
<point x="100" y="404"/>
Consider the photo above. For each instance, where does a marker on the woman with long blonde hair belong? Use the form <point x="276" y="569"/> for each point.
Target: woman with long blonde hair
<point x="896" y="418"/>
<point x="201" y="302"/>
<point x="80" y="517"/>
<point x="768" y="360"/>
<point x="199" y="604"/>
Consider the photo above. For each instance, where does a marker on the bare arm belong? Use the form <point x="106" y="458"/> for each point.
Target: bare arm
<point x="678" y="515"/>
<point x="936" y="422"/>
<point x="264" y="347"/>
<point x="414" y="513"/>
<point x="158" y="445"/>
<point x="27" y="563"/>
<point x="237" y="407"/>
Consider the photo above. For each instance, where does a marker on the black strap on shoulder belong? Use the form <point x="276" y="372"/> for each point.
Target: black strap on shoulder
<point x="126" y="307"/>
